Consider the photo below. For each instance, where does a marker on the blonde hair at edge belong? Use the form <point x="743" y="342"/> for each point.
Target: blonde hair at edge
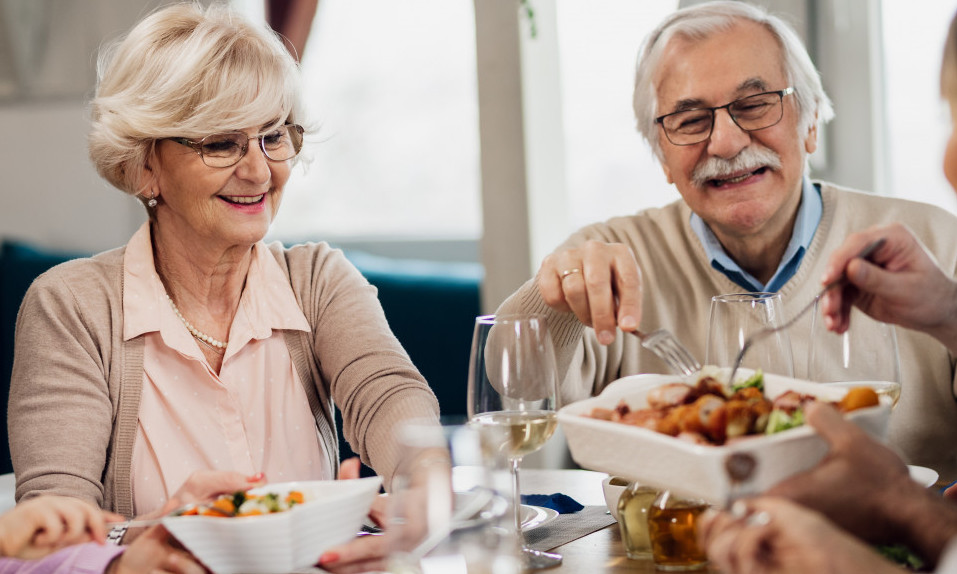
<point x="948" y="67"/>
<point x="186" y="71"/>
<point x="700" y="21"/>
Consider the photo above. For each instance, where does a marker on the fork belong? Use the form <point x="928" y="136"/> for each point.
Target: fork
<point x="668" y="348"/>
<point x="143" y="522"/>
<point x="865" y="254"/>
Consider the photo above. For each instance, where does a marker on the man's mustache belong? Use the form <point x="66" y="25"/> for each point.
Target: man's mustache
<point x="749" y="159"/>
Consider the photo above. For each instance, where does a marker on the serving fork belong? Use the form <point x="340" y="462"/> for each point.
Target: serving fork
<point x="669" y="349"/>
<point x="865" y="254"/>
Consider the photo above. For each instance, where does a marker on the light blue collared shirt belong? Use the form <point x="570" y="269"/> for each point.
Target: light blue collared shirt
<point x="805" y="224"/>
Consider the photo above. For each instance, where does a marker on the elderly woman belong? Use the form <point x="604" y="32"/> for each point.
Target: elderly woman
<point x="197" y="347"/>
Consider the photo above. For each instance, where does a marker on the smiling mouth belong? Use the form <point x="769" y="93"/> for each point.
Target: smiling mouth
<point x="242" y="199"/>
<point x="737" y="178"/>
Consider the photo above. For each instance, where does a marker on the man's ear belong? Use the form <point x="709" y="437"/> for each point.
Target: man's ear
<point x="810" y="142"/>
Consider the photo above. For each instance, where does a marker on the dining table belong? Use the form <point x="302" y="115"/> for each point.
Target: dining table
<point x="601" y="551"/>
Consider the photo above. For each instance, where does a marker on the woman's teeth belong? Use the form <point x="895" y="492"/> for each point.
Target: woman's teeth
<point x="244" y="199"/>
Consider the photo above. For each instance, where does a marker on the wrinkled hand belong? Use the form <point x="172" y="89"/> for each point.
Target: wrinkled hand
<point x="599" y="282"/>
<point x="42" y="525"/>
<point x="777" y="536"/>
<point x="201" y="486"/>
<point x="366" y="553"/>
<point x="851" y="485"/>
<point x="155" y="552"/>
<point x="903" y="285"/>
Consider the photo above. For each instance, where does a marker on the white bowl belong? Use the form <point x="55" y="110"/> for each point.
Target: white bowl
<point x="691" y="469"/>
<point x="612" y="493"/>
<point x="283" y="541"/>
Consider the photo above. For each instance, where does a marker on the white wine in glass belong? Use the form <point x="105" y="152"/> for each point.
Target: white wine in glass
<point x="513" y="385"/>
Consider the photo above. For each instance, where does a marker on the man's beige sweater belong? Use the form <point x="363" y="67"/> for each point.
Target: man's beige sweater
<point x="679" y="283"/>
<point x="75" y="390"/>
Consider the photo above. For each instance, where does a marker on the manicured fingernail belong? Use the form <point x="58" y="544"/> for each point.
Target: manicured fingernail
<point x="259" y="476"/>
<point x="328" y="558"/>
<point x="606" y="337"/>
<point x="628" y="322"/>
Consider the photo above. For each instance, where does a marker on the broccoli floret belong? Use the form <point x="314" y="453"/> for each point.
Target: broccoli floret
<point x="781" y="421"/>
<point x="756" y="380"/>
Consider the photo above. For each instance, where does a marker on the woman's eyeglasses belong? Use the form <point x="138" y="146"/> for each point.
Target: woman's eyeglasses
<point x="226" y="149"/>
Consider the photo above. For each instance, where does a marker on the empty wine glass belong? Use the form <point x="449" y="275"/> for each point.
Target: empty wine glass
<point x="450" y="509"/>
<point x="734" y="318"/>
<point x="513" y="385"/>
<point x="864" y="355"/>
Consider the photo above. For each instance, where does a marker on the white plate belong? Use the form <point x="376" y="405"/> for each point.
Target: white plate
<point x="923" y="475"/>
<point x="698" y="470"/>
<point x="535" y="516"/>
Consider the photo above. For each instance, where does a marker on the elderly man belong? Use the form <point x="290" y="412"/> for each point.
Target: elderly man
<point x="729" y="100"/>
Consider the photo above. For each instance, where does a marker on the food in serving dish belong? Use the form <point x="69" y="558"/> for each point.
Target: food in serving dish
<point x="331" y="513"/>
<point x="712" y="412"/>
<point x="690" y="469"/>
<point x="246" y="503"/>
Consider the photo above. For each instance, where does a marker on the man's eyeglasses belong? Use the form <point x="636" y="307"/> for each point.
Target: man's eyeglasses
<point x="226" y="149"/>
<point x="752" y="113"/>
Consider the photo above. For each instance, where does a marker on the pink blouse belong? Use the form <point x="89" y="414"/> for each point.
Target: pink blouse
<point x="252" y="417"/>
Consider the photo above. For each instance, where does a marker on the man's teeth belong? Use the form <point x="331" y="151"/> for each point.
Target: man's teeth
<point x="737" y="179"/>
<point x="244" y="198"/>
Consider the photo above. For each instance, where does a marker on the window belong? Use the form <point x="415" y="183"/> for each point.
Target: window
<point x="392" y="87"/>
<point x="610" y="169"/>
<point x="918" y="120"/>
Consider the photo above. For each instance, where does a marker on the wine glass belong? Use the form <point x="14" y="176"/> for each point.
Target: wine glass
<point x="864" y="355"/>
<point x="513" y="384"/>
<point x="450" y="506"/>
<point x="734" y="318"/>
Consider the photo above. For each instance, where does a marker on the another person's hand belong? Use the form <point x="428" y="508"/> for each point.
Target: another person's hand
<point x="903" y="285"/>
<point x="366" y="553"/>
<point x="42" y="525"/>
<point x="157" y="552"/>
<point x="865" y="488"/>
<point x="599" y="282"/>
<point x="777" y="536"/>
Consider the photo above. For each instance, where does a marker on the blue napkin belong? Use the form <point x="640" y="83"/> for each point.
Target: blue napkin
<point x="562" y="503"/>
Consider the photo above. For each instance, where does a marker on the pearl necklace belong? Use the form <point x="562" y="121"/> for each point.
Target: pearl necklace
<point x="202" y="337"/>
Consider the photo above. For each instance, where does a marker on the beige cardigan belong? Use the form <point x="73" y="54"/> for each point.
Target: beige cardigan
<point x="75" y="389"/>
<point x="679" y="283"/>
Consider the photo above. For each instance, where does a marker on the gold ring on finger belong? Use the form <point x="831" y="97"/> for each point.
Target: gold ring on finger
<point x="568" y="272"/>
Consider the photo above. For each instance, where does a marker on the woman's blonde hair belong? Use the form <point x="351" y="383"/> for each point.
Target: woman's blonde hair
<point x="186" y="71"/>
<point x="948" y="67"/>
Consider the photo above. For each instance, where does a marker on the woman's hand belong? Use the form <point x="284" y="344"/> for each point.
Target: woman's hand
<point x="365" y="553"/>
<point x="903" y="285"/>
<point x="599" y="282"/>
<point x="776" y="536"/>
<point x="156" y="552"/>
<point x="42" y="525"/>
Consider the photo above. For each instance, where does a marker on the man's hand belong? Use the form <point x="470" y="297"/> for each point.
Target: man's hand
<point x="42" y="525"/>
<point x="599" y="282"/>
<point x="903" y="285"/>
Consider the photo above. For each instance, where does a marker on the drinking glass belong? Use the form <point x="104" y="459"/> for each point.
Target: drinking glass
<point x="737" y="316"/>
<point x="513" y="385"/>
<point x="673" y="530"/>
<point x="864" y="355"/>
<point x="450" y="504"/>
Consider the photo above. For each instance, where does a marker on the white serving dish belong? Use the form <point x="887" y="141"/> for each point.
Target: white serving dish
<point x="283" y="541"/>
<point x="691" y="469"/>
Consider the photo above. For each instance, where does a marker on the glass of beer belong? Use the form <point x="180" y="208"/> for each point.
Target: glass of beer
<point x="633" y="507"/>
<point x="673" y="530"/>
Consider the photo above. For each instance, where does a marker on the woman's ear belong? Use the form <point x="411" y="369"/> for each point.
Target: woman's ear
<point x="147" y="182"/>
